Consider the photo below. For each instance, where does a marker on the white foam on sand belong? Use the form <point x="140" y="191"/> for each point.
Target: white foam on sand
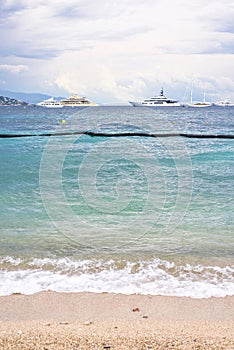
<point x="155" y="277"/>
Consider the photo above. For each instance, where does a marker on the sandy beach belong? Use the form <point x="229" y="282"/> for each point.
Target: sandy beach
<point x="50" y="320"/>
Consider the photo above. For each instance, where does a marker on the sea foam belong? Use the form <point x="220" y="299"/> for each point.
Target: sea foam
<point x="155" y="277"/>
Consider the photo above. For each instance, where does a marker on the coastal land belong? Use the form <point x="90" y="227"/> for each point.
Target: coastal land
<point x="52" y="320"/>
<point x="6" y="101"/>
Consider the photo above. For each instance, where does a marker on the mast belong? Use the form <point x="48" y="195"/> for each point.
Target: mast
<point x="204" y="97"/>
<point x="191" y="94"/>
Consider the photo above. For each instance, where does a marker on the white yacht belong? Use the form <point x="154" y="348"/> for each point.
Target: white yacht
<point x="157" y="101"/>
<point x="77" y="101"/>
<point x="50" y="103"/>
<point x="224" y="103"/>
<point x="199" y="104"/>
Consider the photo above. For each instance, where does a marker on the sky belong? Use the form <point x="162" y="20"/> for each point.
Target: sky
<point x="115" y="51"/>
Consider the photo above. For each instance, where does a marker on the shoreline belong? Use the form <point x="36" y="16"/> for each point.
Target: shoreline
<point x="57" y="320"/>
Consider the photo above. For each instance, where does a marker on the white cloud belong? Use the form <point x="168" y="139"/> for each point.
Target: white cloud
<point x="119" y="50"/>
<point x="172" y="26"/>
<point x="15" y="69"/>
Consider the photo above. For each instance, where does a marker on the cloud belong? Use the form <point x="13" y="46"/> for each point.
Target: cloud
<point x="15" y="69"/>
<point x="117" y="50"/>
<point x="12" y="5"/>
<point x="49" y="27"/>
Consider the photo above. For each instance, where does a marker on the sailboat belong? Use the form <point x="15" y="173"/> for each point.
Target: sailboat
<point x="200" y="103"/>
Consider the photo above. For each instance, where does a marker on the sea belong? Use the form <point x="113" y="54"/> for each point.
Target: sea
<point x="114" y="199"/>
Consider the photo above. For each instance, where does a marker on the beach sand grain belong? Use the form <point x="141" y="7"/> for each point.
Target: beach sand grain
<point x="51" y="320"/>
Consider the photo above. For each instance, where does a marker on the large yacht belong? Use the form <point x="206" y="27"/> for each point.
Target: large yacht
<point x="157" y="101"/>
<point x="77" y="101"/>
<point x="50" y="103"/>
<point x="224" y="103"/>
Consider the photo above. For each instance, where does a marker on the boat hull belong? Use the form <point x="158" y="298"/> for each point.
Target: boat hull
<point x="48" y="106"/>
<point x="199" y="105"/>
<point x="80" y="105"/>
<point x="142" y="104"/>
<point x="224" y="104"/>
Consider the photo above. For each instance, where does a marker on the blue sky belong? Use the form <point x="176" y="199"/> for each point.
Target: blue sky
<point x="116" y="51"/>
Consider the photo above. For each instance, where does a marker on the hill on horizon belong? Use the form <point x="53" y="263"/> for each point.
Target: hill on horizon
<point x="7" y="101"/>
<point x="26" y="97"/>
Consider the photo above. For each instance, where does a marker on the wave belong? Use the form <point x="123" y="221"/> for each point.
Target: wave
<point x="155" y="277"/>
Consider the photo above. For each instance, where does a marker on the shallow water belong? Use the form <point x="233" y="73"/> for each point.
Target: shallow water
<point x="130" y="214"/>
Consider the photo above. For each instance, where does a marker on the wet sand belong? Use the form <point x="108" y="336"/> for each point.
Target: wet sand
<point x="50" y="320"/>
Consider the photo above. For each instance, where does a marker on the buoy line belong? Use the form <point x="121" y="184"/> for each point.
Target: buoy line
<point x="122" y="134"/>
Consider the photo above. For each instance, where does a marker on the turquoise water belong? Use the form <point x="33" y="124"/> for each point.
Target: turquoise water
<point x="128" y="214"/>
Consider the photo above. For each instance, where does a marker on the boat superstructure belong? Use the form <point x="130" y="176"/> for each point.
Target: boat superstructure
<point x="77" y="101"/>
<point x="50" y="103"/>
<point x="157" y="101"/>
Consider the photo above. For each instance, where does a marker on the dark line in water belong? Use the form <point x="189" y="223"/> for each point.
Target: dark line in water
<point x="123" y="134"/>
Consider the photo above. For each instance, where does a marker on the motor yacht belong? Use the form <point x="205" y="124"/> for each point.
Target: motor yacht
<point x="50" y="103"/>
<point x="77" y="101"/>
<point x="157" y="101"/>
